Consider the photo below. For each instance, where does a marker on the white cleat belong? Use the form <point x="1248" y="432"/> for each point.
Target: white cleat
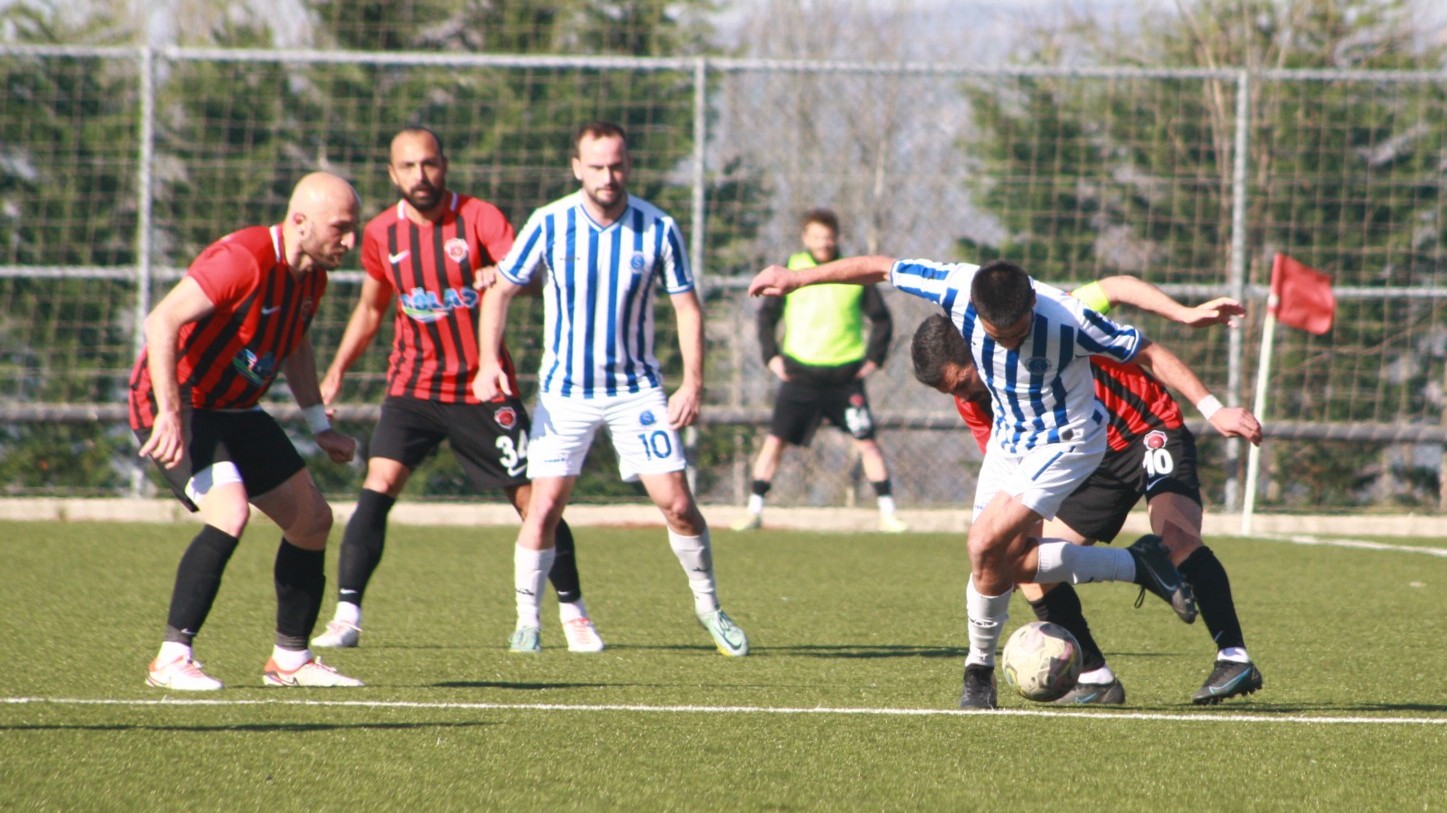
<point x="339" y="635"/>
<point x="892" y="525"/>
<point x="181" y="675"/>
<point x="752" y="522"/>
<point x="313" y="673"/>
<point x="582" y="636"/>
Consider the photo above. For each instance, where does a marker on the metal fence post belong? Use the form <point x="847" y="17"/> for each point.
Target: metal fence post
<point x="143" y="225"/>
<point x="1236" y="346"/>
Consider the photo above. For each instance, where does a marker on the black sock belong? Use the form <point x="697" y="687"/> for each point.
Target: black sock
<point x="760" y="488"/>
<point x="1061" y="605"/>
<point x="198" y="579"/>
<point x="564" y="573"/>
<point x="1207" y="577"/>
<point x="301" y="580"/>
<point x="882" y="488"/>
<point x="362" y="544"/>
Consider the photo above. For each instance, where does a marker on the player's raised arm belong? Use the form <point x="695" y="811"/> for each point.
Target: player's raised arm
<point x="776" y="280"/>
<point x="1127" y="290"/>
<point x="1233" y="422"/>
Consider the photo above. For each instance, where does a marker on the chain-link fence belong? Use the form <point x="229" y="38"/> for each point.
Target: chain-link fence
<point x="118" y="165"/>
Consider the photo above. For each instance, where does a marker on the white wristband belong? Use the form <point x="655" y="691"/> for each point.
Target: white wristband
<point x="316" y="418"/>
<point x="1209" y="406"/>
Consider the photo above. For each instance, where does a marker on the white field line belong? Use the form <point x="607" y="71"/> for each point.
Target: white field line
<point x="1204" y="716"/>
<point x="1360" y="544"/>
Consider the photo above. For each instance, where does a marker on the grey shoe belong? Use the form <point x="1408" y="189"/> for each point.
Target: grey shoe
<point x="1228" y="679"/>
<point x="1094" y="694"/>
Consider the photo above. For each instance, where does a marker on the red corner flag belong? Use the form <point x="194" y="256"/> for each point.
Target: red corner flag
<point x="1301" y="296"/>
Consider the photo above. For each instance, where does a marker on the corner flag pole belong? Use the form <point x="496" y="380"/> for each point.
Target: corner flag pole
<point x="1263" y="374"/>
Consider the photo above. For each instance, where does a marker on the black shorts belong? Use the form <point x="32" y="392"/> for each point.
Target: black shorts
<point x="800" y="409"/>
<point x="252" y="441"/>
<point x="489" y="440"/>
<point x="1161" y="461"/>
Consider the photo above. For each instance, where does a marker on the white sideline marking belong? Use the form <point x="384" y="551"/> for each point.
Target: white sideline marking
<point x="1361" y="544"/>
<point x="1204" y="716"/>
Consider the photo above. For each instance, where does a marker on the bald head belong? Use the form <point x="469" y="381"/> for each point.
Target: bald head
<point x="321" y="221"/>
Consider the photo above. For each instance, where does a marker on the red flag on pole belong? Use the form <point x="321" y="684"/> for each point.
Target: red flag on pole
<point x="1301" y="296"/>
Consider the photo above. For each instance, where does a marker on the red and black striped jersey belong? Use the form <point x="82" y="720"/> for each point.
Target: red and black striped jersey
<point x="1135" y="401"/>
<point x="431" y="266"/>
<point x="261" y="309"/>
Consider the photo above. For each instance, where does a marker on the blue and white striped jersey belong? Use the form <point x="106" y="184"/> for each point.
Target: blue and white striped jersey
<point x="1043" y="391"/>
<point x="598" y="294"/>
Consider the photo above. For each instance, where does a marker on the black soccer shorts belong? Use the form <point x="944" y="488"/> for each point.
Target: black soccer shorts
<point x="1160" y="461"/>
<point x="489" y="440"/>
<point x="250" y="440"/>
<point x="800" y="409"/>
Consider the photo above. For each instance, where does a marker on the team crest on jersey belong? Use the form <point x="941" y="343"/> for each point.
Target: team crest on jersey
<point x="646" y="418"/>
<point x="1155" y="439"/>
<point x="506" y="417"/>
<point x="257" y="370"/>
<point x="637" y="261"/>
<point x="1038" y="365"/>
<point x="455" y="249"/>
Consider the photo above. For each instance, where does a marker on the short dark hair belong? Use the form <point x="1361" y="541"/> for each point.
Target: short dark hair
<point x="598" y="129"/>
<point x="822" y="216"/>
<point x="1001" y="292"/>
<point x="418" y="129"/>
<point x="937" y="342"/>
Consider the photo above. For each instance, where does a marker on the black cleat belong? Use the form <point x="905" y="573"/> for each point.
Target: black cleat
<point x="979" y="693"/>
<point x="1228" y="679"/>
<point x="1094" y="694"/>
<point x="1154" y="572"/>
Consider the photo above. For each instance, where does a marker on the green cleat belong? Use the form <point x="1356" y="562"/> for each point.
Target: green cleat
<point x="525" y="639"/>
<point x="727" y="636"/>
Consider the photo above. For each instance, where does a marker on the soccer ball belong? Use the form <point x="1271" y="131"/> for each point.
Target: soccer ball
<point x="1042" y="661"/>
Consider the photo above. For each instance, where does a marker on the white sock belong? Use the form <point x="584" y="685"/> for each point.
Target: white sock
<point x="571" y="610"/>
<point x="290" y="660"/>
<point x="1097" y="677"/>
<point x="172" y="651"/>
<point x="348" y="613"/>
<point x="1235" y="654"/>
<point x="756" y="504"/>
<point x="987" y="616"/>
<point x="696" y="556"/>
<point x="529" y="572"/>
<point x="886" y="506"/>
<point x="1060" y="561"/>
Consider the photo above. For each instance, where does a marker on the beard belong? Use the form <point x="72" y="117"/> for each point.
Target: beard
<point x="423" y="197"/>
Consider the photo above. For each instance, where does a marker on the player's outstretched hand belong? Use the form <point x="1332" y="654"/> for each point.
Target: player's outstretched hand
<point x="484" y="277"/>
<point x="490" y="383"/>
<point x="1223" y="310"/>
<point x="340" y="448"/>
<point x="776" y="280"/>
<point x="1237" y="422"/>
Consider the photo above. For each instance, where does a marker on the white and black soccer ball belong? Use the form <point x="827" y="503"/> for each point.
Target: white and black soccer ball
<point x="1042" y="661"/>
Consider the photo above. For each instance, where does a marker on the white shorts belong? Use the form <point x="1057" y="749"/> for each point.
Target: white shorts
<point x="563" y="430"/>
<point x="1043" y="477"/>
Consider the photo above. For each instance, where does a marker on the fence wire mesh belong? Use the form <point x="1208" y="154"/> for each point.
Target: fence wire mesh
<point x="1078" y="174"/>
